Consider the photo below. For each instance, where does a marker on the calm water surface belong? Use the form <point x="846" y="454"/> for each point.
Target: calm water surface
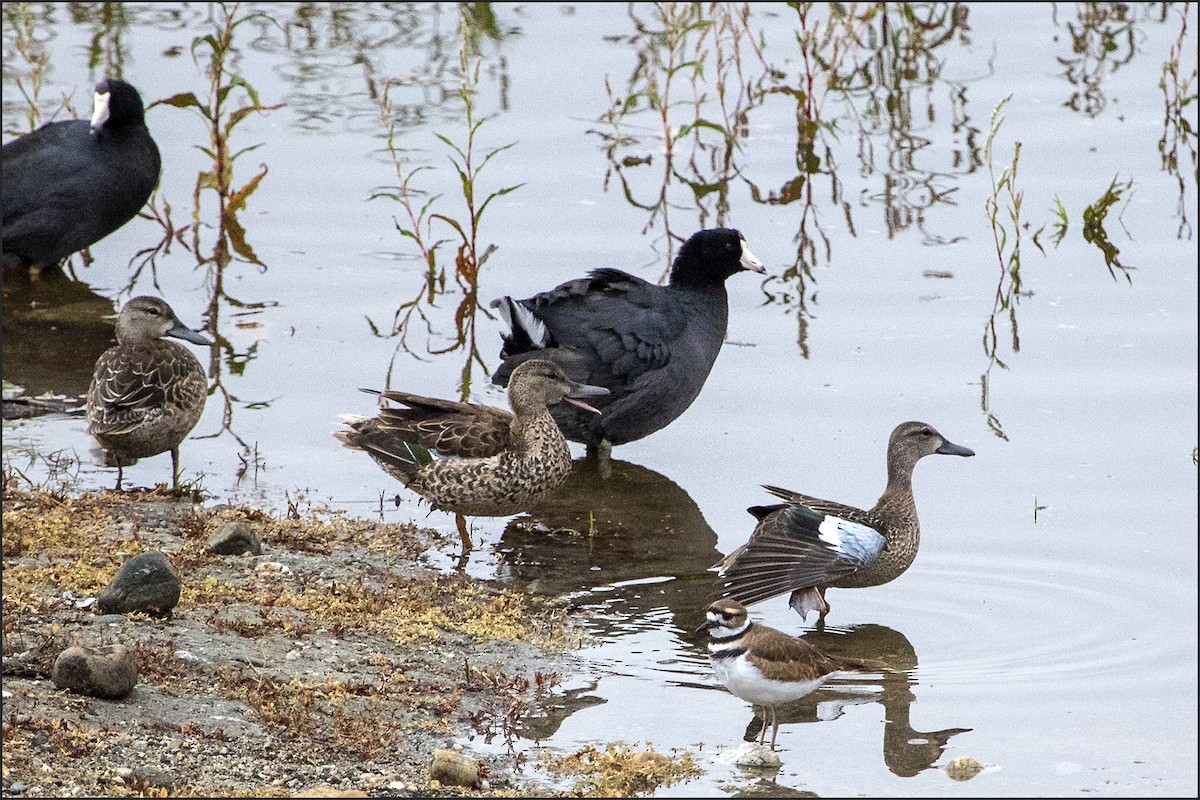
<point x="1048" y="627"/>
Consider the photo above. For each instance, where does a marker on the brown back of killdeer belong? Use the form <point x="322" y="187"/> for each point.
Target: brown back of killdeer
<point x="764" y="666"/>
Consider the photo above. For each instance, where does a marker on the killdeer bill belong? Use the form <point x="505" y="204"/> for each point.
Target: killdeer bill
<point x="764" y="666"/>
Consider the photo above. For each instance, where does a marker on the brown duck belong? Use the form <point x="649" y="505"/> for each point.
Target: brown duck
<point x="146" y="393"/>
<point x="805" y="545"/>
<point x="472" y="459"/>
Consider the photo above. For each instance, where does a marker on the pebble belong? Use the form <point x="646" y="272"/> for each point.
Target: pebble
<point x="234" y="539"/>
<point x="147" y="582"/>
<point x="752" y="755"/>
<point x="963" y="768"/>
<point x="454" y="769"/>
<point x="109" y="671"/>
<point x="144" y="778"/>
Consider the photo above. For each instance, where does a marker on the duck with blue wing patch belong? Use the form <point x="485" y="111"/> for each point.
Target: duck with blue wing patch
<point x="805" y="545"/>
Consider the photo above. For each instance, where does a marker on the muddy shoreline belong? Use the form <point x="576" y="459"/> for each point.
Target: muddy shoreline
<point x="335" y="662"/>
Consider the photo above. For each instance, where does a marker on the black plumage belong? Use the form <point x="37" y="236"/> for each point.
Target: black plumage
<point x="651" y="346"/>
<point x="70" y="183"/>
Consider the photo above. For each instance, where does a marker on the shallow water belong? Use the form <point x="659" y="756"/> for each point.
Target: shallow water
<point x="1048" y="627"/>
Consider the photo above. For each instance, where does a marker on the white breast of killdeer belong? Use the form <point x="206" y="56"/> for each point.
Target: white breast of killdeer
<point x="743" y="659"/>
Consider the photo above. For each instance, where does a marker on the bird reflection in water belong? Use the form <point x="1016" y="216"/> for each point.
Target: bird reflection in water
<point x="907" y="752"/>
<point x="54" y="330"/>
<point x="637" y="531"/>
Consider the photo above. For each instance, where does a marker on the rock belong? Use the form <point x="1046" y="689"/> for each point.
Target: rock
<point x="234" y="539"/>
<point x="147" y="582"/>
<point x="963" y="768"/>
<point x="454" y="769"/>
<point x="143" y="778"/>
<point x="752" y="755"/>
<point x="329" y="791"/>
<point x="108" y="672"/>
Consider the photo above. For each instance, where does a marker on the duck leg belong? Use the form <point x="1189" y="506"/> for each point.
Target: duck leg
<point x="461" y="522"/>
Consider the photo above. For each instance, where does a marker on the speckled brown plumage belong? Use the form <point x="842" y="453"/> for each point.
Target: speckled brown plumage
<point x="800" y="545"/>
<point x="146" y="393"/>
<point x="497" y="463"/>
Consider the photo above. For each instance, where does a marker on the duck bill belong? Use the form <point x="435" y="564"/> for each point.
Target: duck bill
<point x="181" y="331"/>
<point x="952" y="449"/>
<point x="581" y="390"/>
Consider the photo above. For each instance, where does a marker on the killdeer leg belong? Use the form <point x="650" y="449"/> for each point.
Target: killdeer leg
<point x="762" y="732"/>
<point x="120" y="474"/>
<point x="175" y="468"/>
<point x="774" y="726"/>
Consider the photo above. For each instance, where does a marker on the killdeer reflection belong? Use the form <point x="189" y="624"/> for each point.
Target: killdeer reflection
<point x="764" y="666"/>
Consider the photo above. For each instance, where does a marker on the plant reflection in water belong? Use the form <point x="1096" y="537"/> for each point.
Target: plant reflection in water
<point x="872" y="58"/>
<point x="420" y="216"/>
<point x="221" y="113"/>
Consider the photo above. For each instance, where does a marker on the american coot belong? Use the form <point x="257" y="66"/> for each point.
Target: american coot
<point x="764" y="666"/>
<point x="651" y="346"/>
<point x="498" y="463"/>
<point x="146" y="393"/>
<point x="69" y="184"/>
<point x="804" y="545"/>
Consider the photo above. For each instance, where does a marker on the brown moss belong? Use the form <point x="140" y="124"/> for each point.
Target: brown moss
<point x="620" y="771"/>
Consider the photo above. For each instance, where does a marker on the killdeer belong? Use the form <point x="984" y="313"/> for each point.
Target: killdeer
<point x="804" y="545"/>
<point x="764" y="666"/>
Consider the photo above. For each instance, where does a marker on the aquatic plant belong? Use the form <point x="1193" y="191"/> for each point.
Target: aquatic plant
<point x="229" y="101"/>
<point x="1179" y="132"/>
<point x="1004" y="197"/>
<point x="1102" y="41"/>
<point x="620" y="771"/>
<point x="21" y="32"/>
<point x="468" y="158"/>
<point x="1093" y="227"/>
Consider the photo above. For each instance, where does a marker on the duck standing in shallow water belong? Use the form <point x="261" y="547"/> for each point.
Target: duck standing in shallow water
<point x="805" y="545"/>
<point x="651" y="346"/>
<point x="146" y="393"/>
<point x="70" y="183"/>
<point x="764" y="666"/>
<point x="493" y="463"/>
